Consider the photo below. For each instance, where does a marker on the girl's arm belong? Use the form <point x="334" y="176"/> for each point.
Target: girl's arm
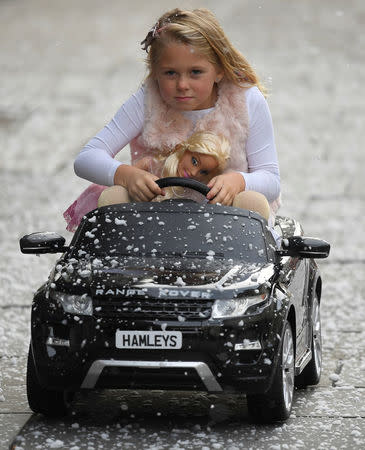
<point x="96" y="161"/>
<point x="263" y="168"/>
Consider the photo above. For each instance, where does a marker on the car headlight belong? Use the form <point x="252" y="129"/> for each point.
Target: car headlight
<point x="74" y="304"/>
<point x="236" y="307"/>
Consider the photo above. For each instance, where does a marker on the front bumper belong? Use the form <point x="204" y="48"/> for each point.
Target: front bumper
<point x="82" y="354"/>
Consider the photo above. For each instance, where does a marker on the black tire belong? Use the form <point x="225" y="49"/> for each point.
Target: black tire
<point x="276" y="404"/>
<point x="44" y="401"/>
<point x="311" y="373"/>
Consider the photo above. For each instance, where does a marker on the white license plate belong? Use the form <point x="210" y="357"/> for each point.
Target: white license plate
<point x="148" y="339"/>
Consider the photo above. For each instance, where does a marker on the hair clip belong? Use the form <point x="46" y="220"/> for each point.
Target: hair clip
<point x="151" y="35"/>
<point x="157" y="28"/>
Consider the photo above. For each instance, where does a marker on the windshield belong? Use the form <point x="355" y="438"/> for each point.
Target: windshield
<point x="160" y="233"/>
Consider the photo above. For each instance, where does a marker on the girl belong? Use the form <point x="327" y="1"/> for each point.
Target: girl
<point x="197" y="81"/>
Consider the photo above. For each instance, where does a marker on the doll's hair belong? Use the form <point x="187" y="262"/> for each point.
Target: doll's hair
<point x="204" y="142"/>
<point x="200" y="29"/>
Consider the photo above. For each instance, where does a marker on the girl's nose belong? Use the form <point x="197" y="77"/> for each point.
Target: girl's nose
<point x="182" y="83"/>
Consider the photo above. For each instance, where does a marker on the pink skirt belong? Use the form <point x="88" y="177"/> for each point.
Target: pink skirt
<point x="86" y="202"/>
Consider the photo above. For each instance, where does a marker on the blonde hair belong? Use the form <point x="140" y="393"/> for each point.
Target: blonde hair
<point x="200" y="29"/>
<point x="203" y="142"/>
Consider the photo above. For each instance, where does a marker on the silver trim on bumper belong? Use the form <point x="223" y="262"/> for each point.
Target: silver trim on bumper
<point x="202" y="369"/>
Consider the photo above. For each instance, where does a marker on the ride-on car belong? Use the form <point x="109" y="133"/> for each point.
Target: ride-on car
<point x="177" y="295"/>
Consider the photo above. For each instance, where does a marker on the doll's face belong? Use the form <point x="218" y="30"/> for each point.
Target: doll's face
<point x="198" y="166"/>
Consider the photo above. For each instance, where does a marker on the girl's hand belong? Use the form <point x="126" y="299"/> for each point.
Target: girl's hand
<point x="140" y="184"/>
<point x="224" y="188"/>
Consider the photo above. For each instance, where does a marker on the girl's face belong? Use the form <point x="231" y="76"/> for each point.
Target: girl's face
<point x="198" y="166"/>
<point x="186" y="79"/>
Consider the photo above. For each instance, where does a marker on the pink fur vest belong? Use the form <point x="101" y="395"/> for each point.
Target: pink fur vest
<point x="165" y="127"/>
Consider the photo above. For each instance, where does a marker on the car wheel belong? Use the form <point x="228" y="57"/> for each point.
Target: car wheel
<point x="44" y="401"/>
<point x="311" y="373"/>
<point x="276" y="404"/>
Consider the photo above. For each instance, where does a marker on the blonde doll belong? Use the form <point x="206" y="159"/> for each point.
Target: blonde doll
<point x="201" y="157"/>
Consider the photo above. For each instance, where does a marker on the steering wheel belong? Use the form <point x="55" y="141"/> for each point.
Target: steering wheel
<point x="183" y="182"/>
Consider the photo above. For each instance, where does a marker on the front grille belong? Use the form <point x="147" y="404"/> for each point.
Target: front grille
<point x="173" y="309"/>
<point x="135" y="378"/>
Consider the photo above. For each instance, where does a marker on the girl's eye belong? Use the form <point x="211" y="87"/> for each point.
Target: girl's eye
<point x="204" y="172"/>
<point x="170" y="73"/>
<point x="196" y="72"/>
<point x="194" y="161"/>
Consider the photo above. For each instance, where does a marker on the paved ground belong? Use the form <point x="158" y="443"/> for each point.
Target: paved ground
<point x="65" y="68"/>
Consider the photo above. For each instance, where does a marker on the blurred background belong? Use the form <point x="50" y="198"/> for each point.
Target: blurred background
<point x="65" y="69"/>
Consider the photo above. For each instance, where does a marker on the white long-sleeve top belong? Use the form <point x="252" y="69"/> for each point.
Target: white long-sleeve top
<point x="96" y="161"/>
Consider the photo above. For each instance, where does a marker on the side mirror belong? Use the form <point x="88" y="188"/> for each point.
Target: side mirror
<point x="42" y="242"/>
<point x="305" y="247"/>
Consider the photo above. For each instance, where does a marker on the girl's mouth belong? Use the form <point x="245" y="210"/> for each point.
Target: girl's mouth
<point x="186" y="175"/>
<point x="183" y="99"/>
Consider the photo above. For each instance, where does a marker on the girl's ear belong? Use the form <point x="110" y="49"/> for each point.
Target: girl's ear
<point x="219" y="76"/>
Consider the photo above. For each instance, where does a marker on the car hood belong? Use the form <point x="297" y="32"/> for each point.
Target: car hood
<point x="98" y="277"/>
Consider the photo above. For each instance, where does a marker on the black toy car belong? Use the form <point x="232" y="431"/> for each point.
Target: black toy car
<point x="177" y="295"/>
